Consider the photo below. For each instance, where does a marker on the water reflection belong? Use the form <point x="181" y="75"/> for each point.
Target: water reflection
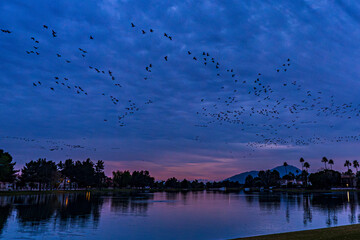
<point x="131" y="204"/>
<point x="33" y="212"/>
<point x="5" y="212"/>
<point x="330" y="204"/>
<point x="201" y="215"/>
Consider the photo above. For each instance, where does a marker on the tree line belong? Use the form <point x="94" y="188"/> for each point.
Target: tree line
<point x="45" y="174"/>
<point x="325" y="178"/>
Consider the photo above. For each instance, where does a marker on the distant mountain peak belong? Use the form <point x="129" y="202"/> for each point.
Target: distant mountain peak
<point x="281" y="169"/>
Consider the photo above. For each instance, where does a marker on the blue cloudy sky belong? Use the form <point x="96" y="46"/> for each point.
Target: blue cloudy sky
<point x="182" y="131"/>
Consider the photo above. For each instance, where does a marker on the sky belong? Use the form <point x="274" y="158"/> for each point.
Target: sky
<point x="183" y="119"/>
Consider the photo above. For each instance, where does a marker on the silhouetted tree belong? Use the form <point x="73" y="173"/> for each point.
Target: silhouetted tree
<point x="122" y="179"/>
<point x="185" y="184"/>
<point x="324" y="160"/>
<point x="142" y="179"/>
<point x="84" y="173"/>
<point x="347" y="164"/>
<point x="197" y="185"/>
<point x="40" y="171"/>
<point x="306" y="166"/>
<point x="303" y="176"/>
<point x="172" y="183"/>
<point x="331" y="163"/>
<point x="325" y="179"/>
<point x="356" y="165"/>
<point x="7" y="172"/>
<point x="99" y="173"/>
<point x="269" y="178"/>
<point x="285" y="165"/>
<point x="67" y="170"/>
<point x="289" y="176"/>
<point x="302" y="163"/>
<point x="249" y="181"/>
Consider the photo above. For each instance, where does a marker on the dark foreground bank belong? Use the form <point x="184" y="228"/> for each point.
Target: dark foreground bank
<point x="334" y="233"/>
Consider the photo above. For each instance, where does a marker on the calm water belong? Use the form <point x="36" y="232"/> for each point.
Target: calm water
<point x="191" y="215"/>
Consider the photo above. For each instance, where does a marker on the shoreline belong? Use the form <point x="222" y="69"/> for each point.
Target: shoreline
<point x="96" y="191"/>
<point x="332" y="233"/>
<point x="126" y="190"/>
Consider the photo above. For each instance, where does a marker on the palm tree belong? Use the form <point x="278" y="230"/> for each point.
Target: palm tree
<point x="347" y="164"/>
<point x="331" y="162"/>
<point x="356" y="164"/>
<point x="285" y="165"/>
<point x="302" y="163"/>
<point x="305" y="173"/>
<point x="324" y="160"/>
<point x="306" y="165"/>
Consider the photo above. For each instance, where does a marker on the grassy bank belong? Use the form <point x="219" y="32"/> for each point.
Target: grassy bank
<point x="334" y="233"/>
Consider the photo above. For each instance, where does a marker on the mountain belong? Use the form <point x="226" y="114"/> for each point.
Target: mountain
<point x="290" y="168"/>
<point x="281" y="169"/>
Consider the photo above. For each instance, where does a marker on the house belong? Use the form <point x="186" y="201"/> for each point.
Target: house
<point x="6" y="186"/>
<point x="66" y="184"/>
<point x="285" y="182"/>
<point x="348" y="181"/>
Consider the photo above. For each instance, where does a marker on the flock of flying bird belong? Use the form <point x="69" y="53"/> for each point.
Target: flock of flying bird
<point x="49" y="144"/>
<point x="272" y="113"/>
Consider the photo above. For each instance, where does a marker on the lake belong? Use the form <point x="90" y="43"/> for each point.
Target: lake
<point x="172" y="215"/>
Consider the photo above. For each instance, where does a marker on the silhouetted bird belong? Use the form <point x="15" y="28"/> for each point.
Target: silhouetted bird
<point x="166" y="58"/>
<point x="91" y="37"/>
<point x="5" y="31"/>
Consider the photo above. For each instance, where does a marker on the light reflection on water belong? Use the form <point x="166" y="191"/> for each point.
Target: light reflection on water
<point x="172" y="215"/>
